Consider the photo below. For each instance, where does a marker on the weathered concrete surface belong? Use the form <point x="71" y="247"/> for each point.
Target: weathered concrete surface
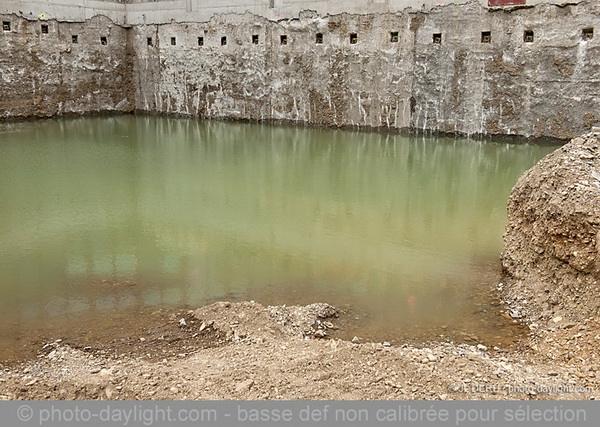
<point x="43" y="75"/>
<point x="547" y="88"/>
<point x="332" y="84"/>
<point x="552" y="240"/>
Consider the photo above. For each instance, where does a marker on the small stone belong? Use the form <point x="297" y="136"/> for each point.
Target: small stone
<point x="142" y="339"/>
<point x="95" y="370"/>
<point x="202" y="326"/>
<point x="557" y="319"/>
<point x="182" y="322"/>
<point x="320" y="334"/>
<point x="244" y="385"/>
<point x="173" y="389"/>
<point x="386" y="344"/>
<point x="355" y="340"/>
<point x="553" y="374"/>
<point x="32" y="382"/>
<point x="432" y="357"/>
<point x="119" y="388"/>
<point x="481" y="347"/>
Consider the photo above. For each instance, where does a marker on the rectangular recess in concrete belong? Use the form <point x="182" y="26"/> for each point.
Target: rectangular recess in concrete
<point x="319" y="38"/>
<point x="394" y="37"/>
<point x="437" y="38"/>
<point x="173" y="41"/>
<point x="486" y="37"/>
<point x="149" y="41"/>
<point x="283" y="39"/>
<point x="224" y="41"/>
<point x="254" y="38"/>
<point x="74" y="39"/>
<point x="587" y="34"/>
<point x="200" y="41"/>
<point x="103" y="41"/>
<point x="353" y="38"/>
<point x="528" y="36"/>
<point x="5" y="25"/>
<point x="44" y="29"/>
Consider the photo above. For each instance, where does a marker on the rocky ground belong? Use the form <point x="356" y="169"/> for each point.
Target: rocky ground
<point x="247" y="351"/>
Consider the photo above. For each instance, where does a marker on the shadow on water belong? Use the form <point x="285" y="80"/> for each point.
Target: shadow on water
<point x="127" y="213"/>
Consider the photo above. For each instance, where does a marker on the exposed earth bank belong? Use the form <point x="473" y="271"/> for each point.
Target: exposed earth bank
<point x="248" y="351"/>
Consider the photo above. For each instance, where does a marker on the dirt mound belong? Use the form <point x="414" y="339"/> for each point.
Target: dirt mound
<point x="250" y="321"/>
<point x="552" y="241"/>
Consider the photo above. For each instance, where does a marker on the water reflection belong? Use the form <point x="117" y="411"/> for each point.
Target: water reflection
<point x="105" y="213"/>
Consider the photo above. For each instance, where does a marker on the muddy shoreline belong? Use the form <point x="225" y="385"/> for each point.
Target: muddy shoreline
<point x="247" y="351"/>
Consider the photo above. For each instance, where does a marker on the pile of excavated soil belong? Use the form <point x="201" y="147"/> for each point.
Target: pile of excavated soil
<point x="552" y="240"/>
<point x="247" y="351"/>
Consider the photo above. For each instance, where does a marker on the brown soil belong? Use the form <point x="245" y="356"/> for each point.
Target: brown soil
<point x="247" y="351"/>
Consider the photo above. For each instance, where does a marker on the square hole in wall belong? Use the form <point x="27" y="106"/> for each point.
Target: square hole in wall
<point x="6" y="25"/>
<point x="223" y="41"/>
<point x="353" y="38"/>
<point x="173" y="41"/>
<point x="283" y="39"/>
<point x="394" y="37"/>
<point x="486" y="37"/>
<point x="254" y="38"/>
<point x="437" y="38"/>
<point x="103" y="41"/>
<point x="319" y="38"/>
<point x="44" y="29"/>
<point x="587" y="34"/>
<point x="528" y="36"/>
<point x="149" y="41"/>
<point x="75" y="38"/>
<point x="200" y="41"/>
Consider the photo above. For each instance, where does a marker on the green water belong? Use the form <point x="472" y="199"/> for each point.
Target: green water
<point x="100" y="214"/>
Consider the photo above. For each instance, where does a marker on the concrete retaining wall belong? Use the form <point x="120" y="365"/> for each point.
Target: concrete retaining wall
<point x="395" y="76"/>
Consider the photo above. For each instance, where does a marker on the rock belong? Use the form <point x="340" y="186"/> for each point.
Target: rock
<point x="355" y="340"/>
<point x="553" y="374"/>
<point x="32" y="382"/>
<point x="320" y="334"/>
<point x="202" y="326"/>
<point x="182" y="322"/>
<point x="95" y="370"/>
<point x="174" y="390"/>
<point x="481" y="347"/>
<point x="244" y="386"/>
<point x="432" y="357"/>
<point x="386" y="344"/>
<point x="514" y="314"/>
<point x="557" y="319"/>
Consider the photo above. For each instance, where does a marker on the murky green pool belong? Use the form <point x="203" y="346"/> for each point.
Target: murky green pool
<point x="103" y="214"/>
